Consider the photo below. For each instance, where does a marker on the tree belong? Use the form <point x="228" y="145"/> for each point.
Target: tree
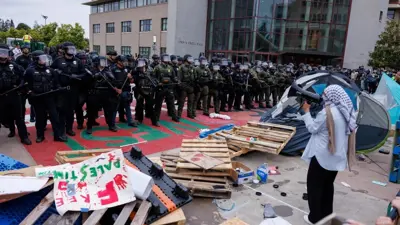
<point x="47" y="32"/>
<point x="12" y="24"/>
<point x="74" y="34"/>
<point x="387" y="49"/>
<point x="23" y="26"/>
<point x="36" y="25"/>
<point x="2" y="26"/>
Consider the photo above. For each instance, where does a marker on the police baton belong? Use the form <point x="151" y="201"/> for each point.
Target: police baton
<point x="14" y="89"/>
<point x="66" y="75"/>
<point x="51" y="92"/>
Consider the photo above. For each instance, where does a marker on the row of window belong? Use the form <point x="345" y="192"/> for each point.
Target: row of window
<point x="123" y="4"/>
<point x="127" y="50"/>
<point x="126" y="26"/>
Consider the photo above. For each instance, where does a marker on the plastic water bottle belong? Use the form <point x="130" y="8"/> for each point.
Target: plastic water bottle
<point x="262" y="173"/>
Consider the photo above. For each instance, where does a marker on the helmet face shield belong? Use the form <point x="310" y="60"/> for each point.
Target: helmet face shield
<point x="4" y="53"/>
<point x="43" y="60"/>
<point x="103" y="62"/>
<point x="258" y="69"/>
<point x="190" y="59"/>
<point x="216" y="67"/>
<point x="224" y="63"/>
<point x="70" y="50"/>
<point x="166" y="58"/>
<point x="204" y="62"/>
<point x="141" y="63"/>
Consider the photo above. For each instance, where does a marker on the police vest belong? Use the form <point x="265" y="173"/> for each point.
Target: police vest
<point x="204" y="76"/>
<point x="166" y="74"/>
<point x="42" y="81"/>
<point x="7" y="77"/>
<point x="187" y="74"/>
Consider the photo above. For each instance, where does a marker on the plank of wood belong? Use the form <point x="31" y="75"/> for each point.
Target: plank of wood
<point x="177" y="217"/>
<point x="77" y="152"/>
<point x="141" y="214"/>
<point x="204" y="145"/>
<point x="203" y="190"/>
<point x="234" y="221"/>
<point x="212" y="154"/>
<point x="210" y="173"/>
<point x="205" y="149"/>
<point x="264" y="130"/>
<point x="262" y="143"/>
<point x="225" y="166"/>
<point x="39" y="209"/>
<point x="95" y="217"/>
<point x="285" y="143"/>
<point x="202" y="160"/>
<point x="53" y="219"/>
<point x="225" y="159"/>
<point x="202" y="141"/>
<point x="124" y="215"/>
<point x="197" y="178"/>
<point x="69" y="218"/>
<point x="258" y="124"/>
<point x="170" y="154"/>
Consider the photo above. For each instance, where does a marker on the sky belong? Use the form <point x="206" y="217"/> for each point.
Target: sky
<point x="59" y="11"/>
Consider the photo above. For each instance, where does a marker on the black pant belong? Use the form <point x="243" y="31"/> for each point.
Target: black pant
<point x="104" y="100"/>
<point x="238" y="98"/>
<point x="79" y="107"/>
<point x="141" y="103"/>
<point x="168" y="95"/>
<point x="320" y="191"/>
<point x="11" y="110"/>
<point x="44" y="105"/>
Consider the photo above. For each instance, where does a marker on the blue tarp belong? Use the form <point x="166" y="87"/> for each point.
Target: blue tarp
<point x="388" y="93"/>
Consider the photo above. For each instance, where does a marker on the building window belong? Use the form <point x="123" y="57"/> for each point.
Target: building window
<point x="96" y="48"/>
<point x="94" y="9"/>
<point x="101" y="8"/>
<point x="144" y="52"/>
<point x="164" y="22"/>
<point x="125" y="50"/>
<point x="141" y="3"/>
<point x="110" y="28"/>
<point x="96" y="28"/>
<point x="163" y="50"/>
<point x="126" y="26"/>
<point x="152" y="2"/>
<point x="390" y="14"/>
<point x="109" y="48"/>
<point x="380" y="16"/>
<point x="145" y="25"/>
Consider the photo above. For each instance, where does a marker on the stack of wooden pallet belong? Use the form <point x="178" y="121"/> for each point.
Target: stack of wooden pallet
<point x="256" y="136"/>
<point x="201" y="182"/>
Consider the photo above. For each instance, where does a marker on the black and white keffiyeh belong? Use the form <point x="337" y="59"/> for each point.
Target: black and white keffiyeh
<point x="336" y="95"/>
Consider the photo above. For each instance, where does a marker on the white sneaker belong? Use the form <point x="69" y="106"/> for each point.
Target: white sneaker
<point x="306" y="220"/>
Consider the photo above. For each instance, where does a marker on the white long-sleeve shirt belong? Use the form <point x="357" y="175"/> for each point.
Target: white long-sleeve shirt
<point x="318" y="144"/>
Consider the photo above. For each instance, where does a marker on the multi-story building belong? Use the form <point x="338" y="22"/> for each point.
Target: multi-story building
<point x="393" y="12"/>
<point x="311" y="31"/>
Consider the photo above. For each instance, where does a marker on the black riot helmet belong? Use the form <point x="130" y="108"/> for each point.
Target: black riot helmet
<point x="83" y="57"/>
<point x="188" y="58"/>
<point x="174" y="59"/>
<point x="141" y="65"/>
<point x="4" y="53"/>
<point x="237" y="66"/>
<point x="41" y="59"/>
<point x="265" y="65"/>
<point x="180" y="60"/>
<point x="203" y="61"/>
<point x="100" y="62"/>
<point x="121" y="61"/>
<point x="25" y="49"/>
<point x="165" y="58"/>
<point x="155" y="58"/>
<point x="69" y="49"/>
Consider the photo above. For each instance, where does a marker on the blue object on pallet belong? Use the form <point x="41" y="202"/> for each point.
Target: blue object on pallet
<point x="224" y="127"/>
<point x="396" y="164"/>
<point x="398" y="125"/>
<point x="393" y="176"/>
<point x="14" y="211"/>
<point x="396" y="150"/>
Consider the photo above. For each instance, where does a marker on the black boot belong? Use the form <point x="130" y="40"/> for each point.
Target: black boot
<point x="26" y="141"/>
<point x="122" y="120"/>
<point x="39" y="139"/>
<point x="89" y="131"/>
<point x="206" y="113"/>
<point x="133" y="124"/>
<point x="113" y="129"/>
<point x="176" y="119"/>
<point x="95" y="123"/>
<point x="70" y="133"/>
<point x="156" y="124"/>
<point x="80" y="126"/>
<point x="11" y="134"/>
<point x="61" y="139"/>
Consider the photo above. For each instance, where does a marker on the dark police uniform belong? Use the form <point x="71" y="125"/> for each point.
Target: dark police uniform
<point x="187" y="75"/>
<point x="215" y="85"/>
<point x="202" y="77"/>
<point x="144" y="95"/>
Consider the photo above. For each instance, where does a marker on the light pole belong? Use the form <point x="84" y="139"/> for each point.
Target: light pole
<point x="154" y="44"/>
<point x="45" y="19"/>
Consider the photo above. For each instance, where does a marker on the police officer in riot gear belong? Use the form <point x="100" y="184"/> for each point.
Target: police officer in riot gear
<point x="175" y="66"/>
<point x="186" y="73"/>
<point x="71" y="71"/>
<point x="101" y="94"/>
<point x="228" y="88"/>
<point x="83" y="90"/>
<point x="215" y="85"/>
<point x="166" y="78"/>
<point x="25" y="59"/>
<point x="111" y="55"/>
<point x="11" y="78"/>
<point x="42" y="84"/>
<point x="144" y="93"/>
<point x="239" y="81"/>
<point x="249" y="80"/>
<point x="123" y="79"/>
<point x="202" y="79"/>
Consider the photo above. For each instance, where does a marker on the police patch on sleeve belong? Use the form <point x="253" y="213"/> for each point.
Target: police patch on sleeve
<point x="47" y="71"/>
<point x="74" y="62"/>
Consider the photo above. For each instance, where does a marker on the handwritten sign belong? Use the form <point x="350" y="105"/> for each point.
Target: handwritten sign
<point x="97" y="183"/>
<point x="48" y="170"/>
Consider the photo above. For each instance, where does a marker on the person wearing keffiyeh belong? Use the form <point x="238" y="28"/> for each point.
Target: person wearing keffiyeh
<point x="330" y="149"/>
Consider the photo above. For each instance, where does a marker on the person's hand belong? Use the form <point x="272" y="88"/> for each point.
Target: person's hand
<point x="353" y="222"/>
<point x="306" y="107"/>
<point x="119" y="91"/>
<point x="129" y="76"/>
<point x="396" y="203"/>
<point x="384" y="221"/>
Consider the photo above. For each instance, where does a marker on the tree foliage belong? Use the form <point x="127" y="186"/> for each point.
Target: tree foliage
<point x="23" y="26"/>
<point x="51" y="34"/>
<point x="387" y="49"/>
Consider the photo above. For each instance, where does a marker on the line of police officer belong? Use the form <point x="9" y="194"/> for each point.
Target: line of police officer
<point x="58" y="89"/>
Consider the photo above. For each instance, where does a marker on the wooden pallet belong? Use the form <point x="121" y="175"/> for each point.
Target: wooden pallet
<point x="93" y="219"/>
<point x="201" y="186"/>
<point x="79" y="155"/>
<point x="214" y="148"/>
<point x="271" y="138"/>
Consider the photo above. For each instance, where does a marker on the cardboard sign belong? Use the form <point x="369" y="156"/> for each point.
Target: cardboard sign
<point x="48" y="170"/>
<point x="200" y="159"/>
<point x="97" y="183"/>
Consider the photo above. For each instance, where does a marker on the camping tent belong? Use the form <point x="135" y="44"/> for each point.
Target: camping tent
<point x="388" y="93"/>
<point x="372" y="119"/>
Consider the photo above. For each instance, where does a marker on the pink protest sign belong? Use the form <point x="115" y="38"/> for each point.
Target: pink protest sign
<point x="97" y="183"/>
